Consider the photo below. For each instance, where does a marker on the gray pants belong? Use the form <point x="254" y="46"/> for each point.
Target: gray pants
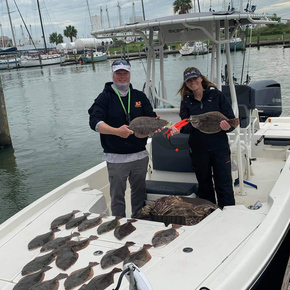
<point x="118" y="174"/>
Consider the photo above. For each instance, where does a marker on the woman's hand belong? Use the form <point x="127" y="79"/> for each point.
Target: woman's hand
<point x="173" y="130"/>
<point x="225" y="125"/>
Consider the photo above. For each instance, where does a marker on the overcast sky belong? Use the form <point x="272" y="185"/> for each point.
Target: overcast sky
<point x="57" y="14"/>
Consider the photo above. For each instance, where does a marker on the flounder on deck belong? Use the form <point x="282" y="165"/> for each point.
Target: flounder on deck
<point x="125" y="229"/>
<point x="51" y="284"/>
<point x="209" y="123"/>
<point x="116" y="256"/>
<point x="164" y="237"/>
<point x="109" y="226"/>
<point x="146" y="126"/>
<point x="139" y="258"/>
<point x="91" y="223"/>
<point x="41" y="240"/>
<point x="78" y="277"/>
<point x="28" y="281"/>
<point x="102" y="281"/>
<point x="62" y="220"/>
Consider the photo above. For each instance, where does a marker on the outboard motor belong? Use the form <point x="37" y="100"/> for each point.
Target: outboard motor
<point x="267" y="98"/>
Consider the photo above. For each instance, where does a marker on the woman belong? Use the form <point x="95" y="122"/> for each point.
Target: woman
<point x="210" y="152"/>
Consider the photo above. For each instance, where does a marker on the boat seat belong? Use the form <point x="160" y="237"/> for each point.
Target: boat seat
<point x="246" y="102"/>
<point x="165" y="158"/>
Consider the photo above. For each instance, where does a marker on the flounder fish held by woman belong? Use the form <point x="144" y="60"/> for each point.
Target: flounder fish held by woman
<point x="209" y="123"/>
<point x="146" y="126"/>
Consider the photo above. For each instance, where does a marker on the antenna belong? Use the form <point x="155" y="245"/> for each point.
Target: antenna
<point x="133" y="8"/>
<point x="108" y="16"/>
<point x="101" y="17"/>
<point x="119" y="9"/>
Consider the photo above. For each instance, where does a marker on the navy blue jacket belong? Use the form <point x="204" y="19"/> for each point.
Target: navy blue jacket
<point x="212" y="100"/>
<point x="107" y="107"/>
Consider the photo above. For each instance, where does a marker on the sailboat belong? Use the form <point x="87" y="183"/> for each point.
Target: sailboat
<point x="44" y="59"/>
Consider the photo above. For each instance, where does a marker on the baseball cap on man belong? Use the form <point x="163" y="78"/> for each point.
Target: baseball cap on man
<point x="193" y="73"/>
<point x="121" y="64"/>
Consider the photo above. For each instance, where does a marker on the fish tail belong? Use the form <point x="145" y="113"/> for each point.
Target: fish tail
<point x="132" y="220"/>
<point x="91" y="238"/>
<point x="87" y="214"/>
<point x="175" y="226"/>
<point x="147" y="246"/>
<point x="116" y="270"/>
<point x="234" y="122"/>
<point x="92" y="264"/>
<point x="129" y="244"/>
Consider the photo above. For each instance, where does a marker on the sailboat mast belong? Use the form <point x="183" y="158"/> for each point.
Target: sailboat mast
<point x="43" y="35"/>
<point x="13" y="35"/>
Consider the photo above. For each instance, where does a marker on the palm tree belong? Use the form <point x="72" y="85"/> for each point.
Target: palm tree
<point x="182" y="6"/>
<point x="70" y="32"/>
<point x="55" y="38"/>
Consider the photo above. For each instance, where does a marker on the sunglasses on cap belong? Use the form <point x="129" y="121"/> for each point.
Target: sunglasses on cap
<point x="121" y="61"/>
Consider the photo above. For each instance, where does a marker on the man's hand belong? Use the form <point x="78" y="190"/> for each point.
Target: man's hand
<point x="124" y="131"/>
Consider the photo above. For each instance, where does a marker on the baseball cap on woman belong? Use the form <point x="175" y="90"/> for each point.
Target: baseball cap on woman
<point x="193" y="73"/>
<point x="121" y="64"/>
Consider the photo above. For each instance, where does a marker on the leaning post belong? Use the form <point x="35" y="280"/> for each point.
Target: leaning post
<point x="5" y="139"/>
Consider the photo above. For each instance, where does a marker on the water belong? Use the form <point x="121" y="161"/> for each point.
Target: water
<point x="48" y="119"/>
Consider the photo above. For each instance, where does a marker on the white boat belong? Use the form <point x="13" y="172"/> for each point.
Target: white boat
<point x="45" y="59"/>
<point x="194" y="48"/>
<point x="229" y="249"/>
<point x="9" y="63"/>
<point x="96" y="57"/>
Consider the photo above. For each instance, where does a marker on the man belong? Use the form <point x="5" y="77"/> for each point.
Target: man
<point x="125" y="154"/>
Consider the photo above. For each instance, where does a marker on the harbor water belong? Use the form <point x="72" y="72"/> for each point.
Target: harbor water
<point x="48" y="116"/>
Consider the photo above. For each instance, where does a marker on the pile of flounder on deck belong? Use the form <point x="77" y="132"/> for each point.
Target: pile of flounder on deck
<point x="65" y="252"/>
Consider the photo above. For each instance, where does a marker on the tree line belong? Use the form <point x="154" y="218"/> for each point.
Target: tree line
<point x="70" y="32"/>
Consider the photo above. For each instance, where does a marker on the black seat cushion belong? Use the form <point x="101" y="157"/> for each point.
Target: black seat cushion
<point x="170" y="188"/>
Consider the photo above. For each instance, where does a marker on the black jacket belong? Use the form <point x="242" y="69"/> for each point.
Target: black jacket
<point x="212" y="100"/>
<point x="107" y="107"/>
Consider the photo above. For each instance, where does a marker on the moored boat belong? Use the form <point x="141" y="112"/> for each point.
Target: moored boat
<point x="8" y="63"/>
<point x="194" y="48"/>
<point x="96" y="56"/>
<point x="45" y="59"/>
<point x="228" y="249"/>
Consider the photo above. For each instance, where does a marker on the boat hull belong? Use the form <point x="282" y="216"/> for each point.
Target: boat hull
<point x="47" y="60"/>
<point x="10" y="63"/>
<point x="97" y="58"/>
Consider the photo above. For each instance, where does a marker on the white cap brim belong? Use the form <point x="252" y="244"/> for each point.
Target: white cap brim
<point x="121" y="66"/>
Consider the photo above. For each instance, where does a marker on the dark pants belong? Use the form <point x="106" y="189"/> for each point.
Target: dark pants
<point x="118" y="174"/>
<point x="214" y="166"/>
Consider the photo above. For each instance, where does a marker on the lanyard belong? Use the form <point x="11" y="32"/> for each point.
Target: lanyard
<point x="129" y="95"/>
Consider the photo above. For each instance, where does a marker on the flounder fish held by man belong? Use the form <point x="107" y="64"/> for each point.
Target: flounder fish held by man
<point x="146" y="126"/>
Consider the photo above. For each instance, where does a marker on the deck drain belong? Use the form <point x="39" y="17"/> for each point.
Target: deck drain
<point x="187" y="250"/>
<point x="98" y="253"/>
